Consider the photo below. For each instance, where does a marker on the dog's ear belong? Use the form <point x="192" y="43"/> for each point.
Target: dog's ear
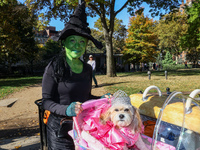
<point x="137" y="122"/>
<point x="105" y="116"/>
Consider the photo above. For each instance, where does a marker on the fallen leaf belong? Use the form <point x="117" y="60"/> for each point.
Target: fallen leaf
<point x="17" y="147"/>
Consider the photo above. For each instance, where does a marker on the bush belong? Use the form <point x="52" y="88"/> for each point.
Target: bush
<point x="168" y="59"/>
<point x="173" y="67"/>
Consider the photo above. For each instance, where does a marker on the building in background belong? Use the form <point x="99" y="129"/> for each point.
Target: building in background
<point x="42" y="36"/>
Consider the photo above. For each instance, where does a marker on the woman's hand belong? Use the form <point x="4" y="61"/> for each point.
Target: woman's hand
<point x="78" y="108"/>
<point x="74" y="109"/>
<point x="107" y="95"/>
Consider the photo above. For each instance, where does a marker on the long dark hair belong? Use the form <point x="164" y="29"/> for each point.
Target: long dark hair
<point x="61" y="69"/>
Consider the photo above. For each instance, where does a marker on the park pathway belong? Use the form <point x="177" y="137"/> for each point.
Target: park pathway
<point x="19" y="127"/>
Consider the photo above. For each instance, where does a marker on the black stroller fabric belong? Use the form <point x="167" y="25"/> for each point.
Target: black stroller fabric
<point x="63" y="141"/>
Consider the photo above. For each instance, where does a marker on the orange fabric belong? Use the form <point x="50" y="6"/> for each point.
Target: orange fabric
<point x="46" y="116"/>
<point x="149" y="126"/>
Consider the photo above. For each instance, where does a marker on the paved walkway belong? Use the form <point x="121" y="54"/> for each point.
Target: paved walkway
<point x="21" y="143"/>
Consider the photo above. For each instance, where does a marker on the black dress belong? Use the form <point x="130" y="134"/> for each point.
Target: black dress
<point x="57" y="95"/>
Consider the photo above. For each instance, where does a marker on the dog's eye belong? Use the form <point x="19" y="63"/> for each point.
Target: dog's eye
<point x="126" y="109"/>
<point x="116" y="109"/>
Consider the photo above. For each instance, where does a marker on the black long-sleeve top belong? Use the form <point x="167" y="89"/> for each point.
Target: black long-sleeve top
<point x="57" y="95"/>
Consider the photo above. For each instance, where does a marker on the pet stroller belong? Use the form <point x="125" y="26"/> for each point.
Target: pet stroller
<point x="167" y="135"/>
<point x="177" y="117"/>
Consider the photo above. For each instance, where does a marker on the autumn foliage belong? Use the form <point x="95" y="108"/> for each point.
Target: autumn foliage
<point x="141" y="42"/>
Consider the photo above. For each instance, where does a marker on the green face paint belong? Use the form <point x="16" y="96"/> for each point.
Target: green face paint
<point x="75" y="46"/>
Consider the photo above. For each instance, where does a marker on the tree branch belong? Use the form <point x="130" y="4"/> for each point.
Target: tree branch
<point x="94" y="8"/>
<point x="121" y="8"/>
<point x="103" y="17"/>
<point x="101" y="13"/>
<point x="112" y="15"/>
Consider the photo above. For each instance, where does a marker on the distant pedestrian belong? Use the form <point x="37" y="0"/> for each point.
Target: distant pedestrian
<point x="142" y="66"/>
<point x="145" y="66"/>
<point x="93" y="64"/>
<point x="186" y="66"/>
<point x="103" y="68"/>
<point x="154" y="66"/>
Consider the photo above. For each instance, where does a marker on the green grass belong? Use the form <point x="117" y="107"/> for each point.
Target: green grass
<point x="11" y="85"/>
<point x="181" y="80"/>
<point x="185" y="80"/>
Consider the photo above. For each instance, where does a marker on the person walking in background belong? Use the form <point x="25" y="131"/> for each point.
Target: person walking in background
<point x="142" y="66"/>
<point x="186" y="66"/>
<point x="93" y="64"/>
<point x="145" y="66"/>
<point x="154" y="66"/>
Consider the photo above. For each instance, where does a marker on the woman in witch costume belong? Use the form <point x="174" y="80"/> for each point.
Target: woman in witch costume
<point x="67" y="81"/>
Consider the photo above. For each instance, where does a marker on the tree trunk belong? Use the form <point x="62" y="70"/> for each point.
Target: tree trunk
<point x="134" y="66"/>
<point x="108" y="33"/>
<point x="31" y="67"/>
<point x="9" y="64"/>
<point x="109" y="57"/>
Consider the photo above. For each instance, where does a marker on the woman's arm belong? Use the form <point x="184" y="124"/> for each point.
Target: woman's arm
<point x="49" y="89"/>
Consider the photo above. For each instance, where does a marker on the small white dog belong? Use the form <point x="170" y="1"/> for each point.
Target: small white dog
<point x="123" y="114"/>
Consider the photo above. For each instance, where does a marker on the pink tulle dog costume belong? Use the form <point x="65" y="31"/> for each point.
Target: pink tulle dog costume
<point x="91" y="134"/>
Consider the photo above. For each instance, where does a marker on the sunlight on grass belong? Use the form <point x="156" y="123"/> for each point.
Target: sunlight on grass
<point x="7" y="90"/>
<point x="11" y="85"/>
<point x="134" y="82"/>
<point x="131" y="83"/>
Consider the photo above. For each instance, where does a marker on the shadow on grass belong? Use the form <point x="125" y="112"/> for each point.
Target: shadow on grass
<point x="141" y="73"/>
<point x="19" y="132"/>
<point x="186" y="72"/>
<point x="18" y="82"/>
<point x="110" y="84"/>
<point x="24" y="138"/>
<point x="28" y="147"/>
<point x="182" y="72"/>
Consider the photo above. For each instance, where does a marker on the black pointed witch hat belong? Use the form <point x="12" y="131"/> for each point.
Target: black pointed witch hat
<point x="78" y="25"/>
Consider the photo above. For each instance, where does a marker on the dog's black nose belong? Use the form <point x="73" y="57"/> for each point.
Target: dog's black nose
<point x="121" y="116"/>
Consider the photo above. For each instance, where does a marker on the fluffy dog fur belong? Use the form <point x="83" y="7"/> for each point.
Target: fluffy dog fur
<point x="123" y="115"/>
